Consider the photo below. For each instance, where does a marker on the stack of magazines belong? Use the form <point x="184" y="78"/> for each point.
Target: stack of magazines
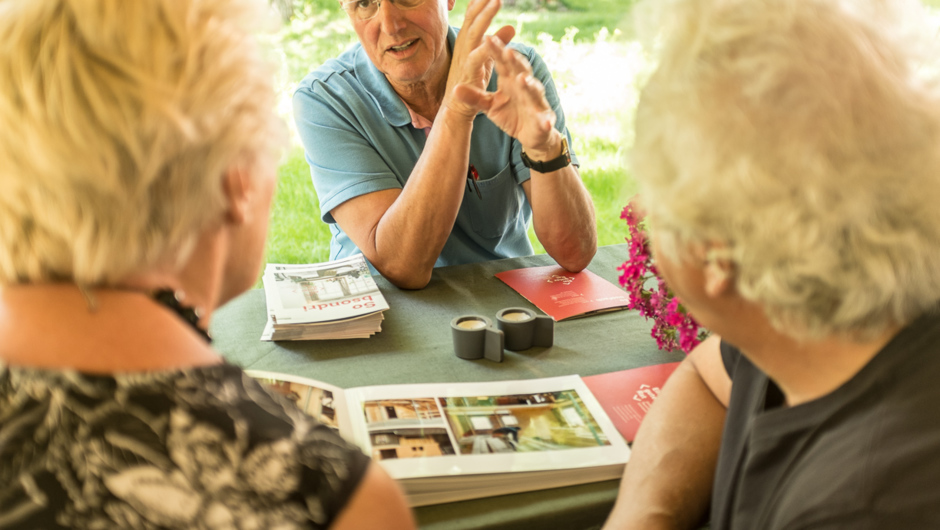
<point x="333" y="300"/>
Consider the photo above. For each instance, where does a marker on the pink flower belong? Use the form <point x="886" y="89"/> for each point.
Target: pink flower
<point x="673" y="326"/>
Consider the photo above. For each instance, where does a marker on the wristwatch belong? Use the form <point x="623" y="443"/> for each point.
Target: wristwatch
<point x="562" y="160"/>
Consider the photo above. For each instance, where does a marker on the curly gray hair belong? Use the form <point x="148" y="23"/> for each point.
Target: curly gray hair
<point x="804" y="137"/>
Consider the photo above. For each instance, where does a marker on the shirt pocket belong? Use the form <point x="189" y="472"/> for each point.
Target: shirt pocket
<point x="499" y="209"/>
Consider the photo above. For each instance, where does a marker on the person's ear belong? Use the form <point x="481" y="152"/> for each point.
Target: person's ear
<point x="718" y="272"/>
<point x="237" y="188"/>
<point x="451" y="4"/>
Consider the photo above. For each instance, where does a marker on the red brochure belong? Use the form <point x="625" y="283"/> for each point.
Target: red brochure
<point x="627" y="395"/>
<point x="562" y="294"/>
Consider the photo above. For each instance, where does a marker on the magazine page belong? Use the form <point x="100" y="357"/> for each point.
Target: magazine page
<point x="453" y="429"/>
<point x="321" y="292"/>
<point x="562" y="294"/>
<point x="323" y="401"/>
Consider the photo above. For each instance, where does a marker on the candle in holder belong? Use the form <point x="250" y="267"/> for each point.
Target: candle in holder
<point x="516" y="316"/>
<point x="476" y="338"/>
<point x="523" y="328"/>
<point x="471" y="324"/>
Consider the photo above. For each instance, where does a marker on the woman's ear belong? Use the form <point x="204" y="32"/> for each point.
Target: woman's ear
<point x="237" y="188"/>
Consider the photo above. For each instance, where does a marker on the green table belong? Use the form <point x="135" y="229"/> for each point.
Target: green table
<point x="415" y="347"/>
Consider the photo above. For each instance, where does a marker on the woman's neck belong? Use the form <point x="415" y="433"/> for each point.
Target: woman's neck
<point x="103" y="330"/>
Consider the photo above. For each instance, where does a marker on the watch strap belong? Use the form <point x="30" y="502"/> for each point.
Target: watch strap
<point x="547" y="166"/>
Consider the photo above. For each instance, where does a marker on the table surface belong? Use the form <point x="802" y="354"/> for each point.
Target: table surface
<point x="415" y="346"/>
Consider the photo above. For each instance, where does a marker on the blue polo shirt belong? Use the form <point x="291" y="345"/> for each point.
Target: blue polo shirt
<point x="359" y="138"/>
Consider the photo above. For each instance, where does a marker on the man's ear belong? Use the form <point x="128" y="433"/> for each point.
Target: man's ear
<point x="236" y="186"/>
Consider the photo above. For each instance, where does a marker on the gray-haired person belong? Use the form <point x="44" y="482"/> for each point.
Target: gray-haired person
<point x="788" y="153"/>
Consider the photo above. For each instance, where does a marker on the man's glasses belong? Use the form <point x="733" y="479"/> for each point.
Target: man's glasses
<point x="366" y="9"/>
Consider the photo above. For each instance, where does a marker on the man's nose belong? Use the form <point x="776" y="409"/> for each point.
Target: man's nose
<point x="390" y="17"/>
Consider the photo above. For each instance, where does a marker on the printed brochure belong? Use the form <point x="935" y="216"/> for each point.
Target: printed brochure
<point x="562" y="294"/>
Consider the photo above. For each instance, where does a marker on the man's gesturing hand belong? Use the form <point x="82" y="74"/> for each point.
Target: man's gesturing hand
<point x="518" y="106"/>
<point x="471" y="64"/>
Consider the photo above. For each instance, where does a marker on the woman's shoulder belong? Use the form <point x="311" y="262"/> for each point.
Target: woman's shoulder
<point x="170" y="447"/>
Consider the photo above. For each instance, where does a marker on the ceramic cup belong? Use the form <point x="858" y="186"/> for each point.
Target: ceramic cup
<point x="524" y="329"/>
<point x="476" y="338"/>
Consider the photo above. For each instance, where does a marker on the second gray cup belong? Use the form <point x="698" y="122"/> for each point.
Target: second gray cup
<point x="524" y="329"/>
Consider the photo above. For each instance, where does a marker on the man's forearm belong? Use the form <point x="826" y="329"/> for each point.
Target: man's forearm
<point x="411" y="234"/>
<point x="563" y="217"/>
<point x="668" y="481"/>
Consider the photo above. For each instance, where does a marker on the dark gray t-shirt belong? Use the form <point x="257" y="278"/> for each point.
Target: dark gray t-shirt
<point x="866" y="456"/>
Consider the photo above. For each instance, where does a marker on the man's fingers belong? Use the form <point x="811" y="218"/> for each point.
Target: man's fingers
<point x="509" y="62"/>
<point x="473" y="97"/>
<point x="533" y="87"/>
<point x="479" y="15"/>
<point x="473" y="9"/>
<point x="478" y="59"/>
<point x="505" y="34"/>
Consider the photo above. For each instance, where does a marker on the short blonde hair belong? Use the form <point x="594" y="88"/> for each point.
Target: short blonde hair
<point x="120" y="118"/>
<point x="804" y="137"/>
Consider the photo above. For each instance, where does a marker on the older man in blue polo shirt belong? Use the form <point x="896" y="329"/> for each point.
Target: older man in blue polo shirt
<point x="423" y="156"/>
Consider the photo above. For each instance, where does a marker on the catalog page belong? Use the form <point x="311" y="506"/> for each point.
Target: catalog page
<point x="479" y="428"/>
<point x="324" y="402"/>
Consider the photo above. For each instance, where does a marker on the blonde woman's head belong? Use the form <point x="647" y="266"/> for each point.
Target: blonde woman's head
<point x="120" y="119"/>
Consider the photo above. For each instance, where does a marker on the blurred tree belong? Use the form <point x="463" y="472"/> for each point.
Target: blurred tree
<point x="285" y="8"/>
<point x="554" y="5"/>
<point x="291" y="8"/>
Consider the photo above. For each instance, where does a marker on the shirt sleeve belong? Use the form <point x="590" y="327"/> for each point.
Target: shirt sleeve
<point x="331" y="471"/>
<point x="729" y="356"/>
<point x="326" y="468"/>
<point x="344" y="162"/>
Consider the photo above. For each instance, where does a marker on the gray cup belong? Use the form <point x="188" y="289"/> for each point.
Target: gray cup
<point x="524" y="329"/>
<point x="476" y="338"/>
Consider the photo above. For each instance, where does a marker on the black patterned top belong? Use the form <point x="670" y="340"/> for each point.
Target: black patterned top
<point x="200" y="448"/>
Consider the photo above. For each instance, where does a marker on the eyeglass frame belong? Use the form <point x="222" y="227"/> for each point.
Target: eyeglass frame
<point x="378" y="4"/>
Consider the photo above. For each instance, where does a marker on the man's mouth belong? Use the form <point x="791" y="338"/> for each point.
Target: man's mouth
<point x="404" y="46"/>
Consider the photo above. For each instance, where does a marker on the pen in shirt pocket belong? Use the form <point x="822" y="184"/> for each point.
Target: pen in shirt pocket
<point x="472" y="178"/>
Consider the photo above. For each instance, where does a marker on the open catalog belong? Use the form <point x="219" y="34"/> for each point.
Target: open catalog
<point x="333" y="300"/>
<point x="455" y="441"/>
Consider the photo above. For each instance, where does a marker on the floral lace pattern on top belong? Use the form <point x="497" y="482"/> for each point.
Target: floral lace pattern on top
<point x="206" y="448"/>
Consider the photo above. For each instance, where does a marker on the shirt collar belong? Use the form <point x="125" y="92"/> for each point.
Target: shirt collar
<point x="418" y="121"/>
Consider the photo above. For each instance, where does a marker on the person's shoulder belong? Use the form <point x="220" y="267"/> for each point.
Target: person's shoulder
<point x="342" y="65"/>
<point x="280" y="431"/>
<point x="877" y="454"/>
<point x="526" y="50"/>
